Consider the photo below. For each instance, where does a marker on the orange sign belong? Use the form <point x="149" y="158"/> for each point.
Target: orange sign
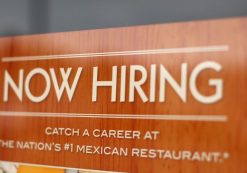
<point x="155" y="98"/>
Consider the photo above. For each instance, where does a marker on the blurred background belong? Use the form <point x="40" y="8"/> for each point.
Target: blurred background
<point x="19" y="17"/>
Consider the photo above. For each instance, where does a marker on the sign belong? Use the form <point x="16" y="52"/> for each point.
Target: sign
<point x="155" y="98"/>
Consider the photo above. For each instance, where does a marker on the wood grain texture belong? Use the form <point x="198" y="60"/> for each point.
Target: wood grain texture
<point x="175" y="135"/>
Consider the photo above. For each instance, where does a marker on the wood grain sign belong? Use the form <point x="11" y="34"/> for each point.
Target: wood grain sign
<point x="156" y="98"/>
